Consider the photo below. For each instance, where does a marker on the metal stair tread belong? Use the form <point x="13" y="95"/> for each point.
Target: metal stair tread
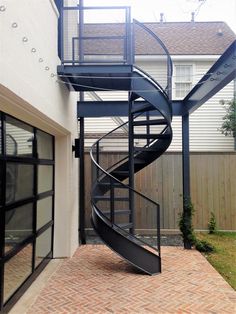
<point x="145" y="149"/>
<point x="150" y="122"/>
<point x="151" y="136"/>
<point x="139" y="161"/>
<point x="118" y="212"/>
<point x="116" y="185"/>
<point x="142" y="108"/>
<point x="117" y="198"/>
<point x="125" y="225"/>
<point x="120" y="172"/>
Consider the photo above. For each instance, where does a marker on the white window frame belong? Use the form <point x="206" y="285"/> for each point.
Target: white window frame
<point x="183" y="81"/>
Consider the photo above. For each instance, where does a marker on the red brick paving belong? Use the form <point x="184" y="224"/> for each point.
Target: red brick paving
<point x="97" y="281"/>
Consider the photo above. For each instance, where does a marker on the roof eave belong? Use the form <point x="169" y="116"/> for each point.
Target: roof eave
<point x="178" y="57"/>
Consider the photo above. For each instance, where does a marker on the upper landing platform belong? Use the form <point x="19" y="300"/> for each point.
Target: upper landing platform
<point x="95" y="57"/>
<point x="96" y="77"/>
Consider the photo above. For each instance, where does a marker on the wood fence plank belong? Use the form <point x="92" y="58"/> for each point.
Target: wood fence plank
<point x="213" y="189"/>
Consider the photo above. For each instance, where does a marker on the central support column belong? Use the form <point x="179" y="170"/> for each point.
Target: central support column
<point x="131" y="167"/>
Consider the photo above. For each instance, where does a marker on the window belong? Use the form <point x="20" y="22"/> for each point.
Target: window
<point x="19" y="137"/>
<point x="19" y="181"/>
<point x="18" y="225"/>
<point x="14" y="279"/>
<point x="45" y="145"/>
<point x="183" y="80"/>
<point x="26" y="201"/>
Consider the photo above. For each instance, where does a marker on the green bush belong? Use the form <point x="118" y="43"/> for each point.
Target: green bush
<point x="185" y="224"/>
<point x="212" y="224"/>
<point x="204" y="246"/>
<point x="229" y="120"/>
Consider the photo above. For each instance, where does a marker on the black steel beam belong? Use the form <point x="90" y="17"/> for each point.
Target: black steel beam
<point x="185" y="157"/>
<point x="99" y="69"/>
<point x="220" y="74"/>
<point x="89" y="109"/>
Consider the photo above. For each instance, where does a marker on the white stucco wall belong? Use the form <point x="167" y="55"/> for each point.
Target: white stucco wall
<point x="30" y="91"/>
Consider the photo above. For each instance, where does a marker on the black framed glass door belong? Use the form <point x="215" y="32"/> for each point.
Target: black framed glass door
<point x="26" y="205"/>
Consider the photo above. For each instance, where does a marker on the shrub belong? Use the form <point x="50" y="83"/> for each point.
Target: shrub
<point x="204" y="246"/>
<point x="228" y="126"/>
<point x="185" y="224"/>
<point x="212" y="224"/>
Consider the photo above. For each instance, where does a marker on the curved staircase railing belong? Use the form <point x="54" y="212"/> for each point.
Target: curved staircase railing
<point x="125" y="219"/>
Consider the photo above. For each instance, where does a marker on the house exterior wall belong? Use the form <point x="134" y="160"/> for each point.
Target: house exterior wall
<point x="29" y="91"/>
<point x="204" y="122"/>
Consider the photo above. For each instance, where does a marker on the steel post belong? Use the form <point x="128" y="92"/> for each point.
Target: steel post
<point x="82" y="182"/>
<point x="131" y="167"/>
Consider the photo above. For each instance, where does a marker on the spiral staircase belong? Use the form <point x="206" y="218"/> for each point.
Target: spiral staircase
<point x="101" y="57"/>
<point x="121" y="237"/>
<point x="115" y="202"/>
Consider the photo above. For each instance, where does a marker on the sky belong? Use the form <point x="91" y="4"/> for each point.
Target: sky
<point x="176" y="10"/>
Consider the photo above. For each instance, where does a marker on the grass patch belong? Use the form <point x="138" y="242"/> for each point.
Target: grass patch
<point x="223" y="259"/>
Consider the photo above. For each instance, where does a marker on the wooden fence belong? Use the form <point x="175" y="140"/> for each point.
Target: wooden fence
<point x="213" y="188"/>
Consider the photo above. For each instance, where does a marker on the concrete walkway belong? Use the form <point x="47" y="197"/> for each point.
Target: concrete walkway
<point x="96" y="280"/>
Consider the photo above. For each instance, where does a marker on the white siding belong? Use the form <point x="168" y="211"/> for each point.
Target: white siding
<point x="206" y="121"/>
<point x="113" y="95"/>
<point x="97" y="126"/>
<point x="157" y="70"/>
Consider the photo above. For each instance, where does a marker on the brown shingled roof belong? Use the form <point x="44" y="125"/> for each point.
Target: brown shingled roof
<point x="180" y="38"/>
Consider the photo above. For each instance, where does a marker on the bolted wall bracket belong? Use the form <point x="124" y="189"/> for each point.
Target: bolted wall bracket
<point x="76" y="148"/>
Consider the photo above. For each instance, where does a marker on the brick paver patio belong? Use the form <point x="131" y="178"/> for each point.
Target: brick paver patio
<point x="96" y="280"/>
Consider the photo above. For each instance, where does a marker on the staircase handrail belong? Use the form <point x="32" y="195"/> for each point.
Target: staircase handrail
<point x="126" y="157"/>
<point x="150" y="78"/>
<point x="169" y="60"/>
<point x="111" y="176"/>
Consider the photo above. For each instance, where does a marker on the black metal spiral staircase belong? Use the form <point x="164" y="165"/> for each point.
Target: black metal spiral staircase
<point x="114" y="198"/>
<point x="101" y="58"/>
<point x="106" y="182"/>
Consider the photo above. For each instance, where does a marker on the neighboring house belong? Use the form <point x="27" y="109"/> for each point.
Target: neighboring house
<point x="194" y="47"/>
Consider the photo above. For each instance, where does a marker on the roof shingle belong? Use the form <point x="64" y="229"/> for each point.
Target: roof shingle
<point x="180" y="38"/>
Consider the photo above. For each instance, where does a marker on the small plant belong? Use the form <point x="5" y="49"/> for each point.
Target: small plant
<point x="212" y="224"/>
<point x="185" y="224"/>
<point x="204" y="246"/>
<point x="228" y="127"/>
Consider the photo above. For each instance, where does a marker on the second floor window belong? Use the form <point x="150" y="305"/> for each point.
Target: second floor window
<point x="183" y="80"/>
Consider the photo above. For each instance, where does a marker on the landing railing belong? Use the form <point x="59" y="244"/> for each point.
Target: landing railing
<point x="89" y="35"/>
